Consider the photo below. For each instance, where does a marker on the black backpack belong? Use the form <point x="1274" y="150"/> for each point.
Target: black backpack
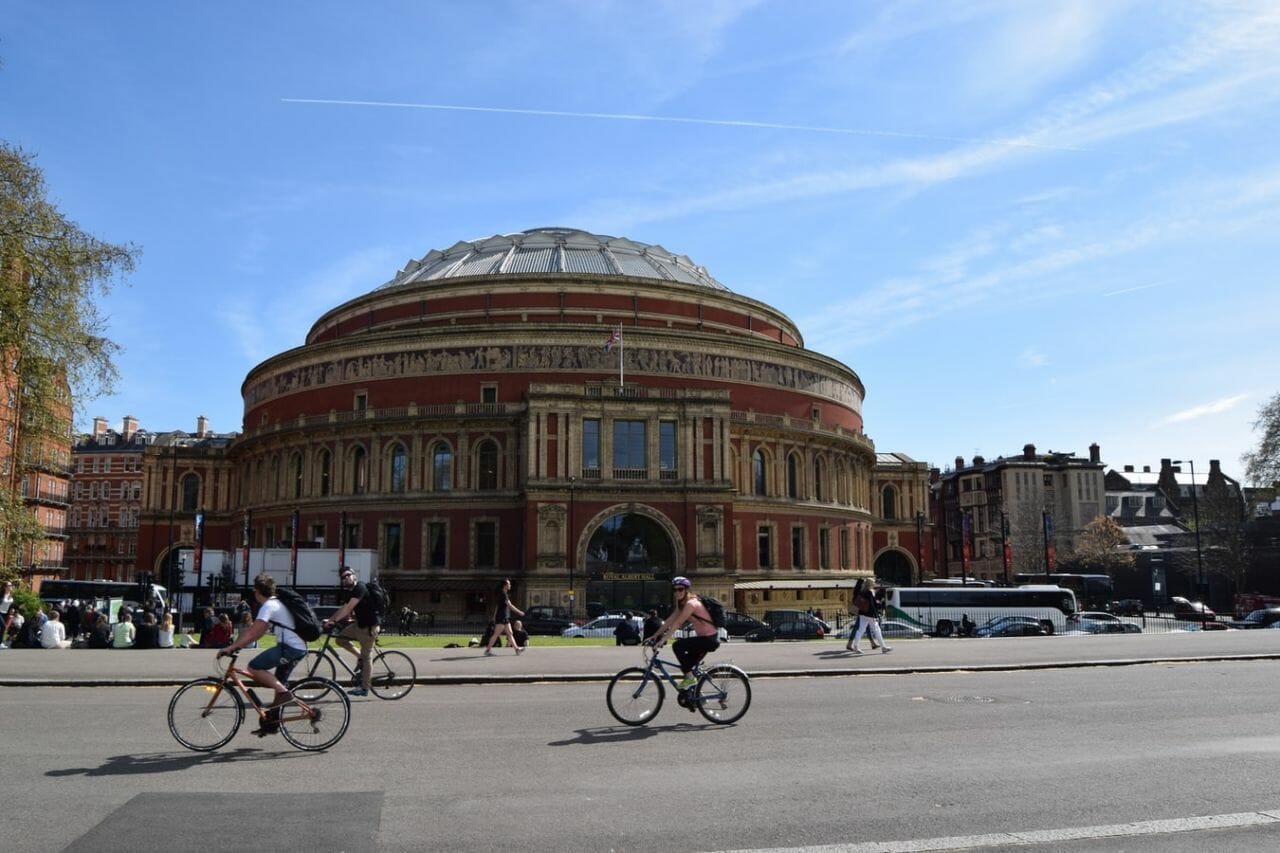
<point x="305" y="623"/>
<point x="379" y="598"/>
<point x="714" y="609"/>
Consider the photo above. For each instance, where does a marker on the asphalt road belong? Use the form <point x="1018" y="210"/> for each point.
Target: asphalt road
<point x="906" y="753"/>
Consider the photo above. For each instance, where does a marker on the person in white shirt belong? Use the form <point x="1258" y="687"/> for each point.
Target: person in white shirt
<point x="271" y="667"/>
<point x="54" y="634"/>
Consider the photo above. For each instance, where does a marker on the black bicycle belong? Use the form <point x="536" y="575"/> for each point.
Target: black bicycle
<point x="722" y="692"/>
<point x="393" y="671"/>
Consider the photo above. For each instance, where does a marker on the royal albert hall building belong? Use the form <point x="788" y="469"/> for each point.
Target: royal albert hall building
<point x="576" y="412"/>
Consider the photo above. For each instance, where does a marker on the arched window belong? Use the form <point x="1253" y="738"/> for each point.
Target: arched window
<point x="759" y="473"/>
<point x="399" y="468"/>
<point x="359" y="471"/>
<point x="325" y="463"/>
<point x="793" y="477"/>
<point x="889" y="503"/>
<point x="441" y="467"/>
<point x="818" y="483"/>
<point x="296" y="465"/>
<point x="190" y="493"/>
<point x="487" y="457"/>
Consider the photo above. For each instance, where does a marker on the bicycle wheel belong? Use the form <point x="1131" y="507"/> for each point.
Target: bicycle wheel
<point x="724" y="694"/>
<point x="204" y="715"/>
<point x="635" y="696"/>
<point x="393" y="675"/>
<point x="319" y="721"/>
<point x="316" y="664"/>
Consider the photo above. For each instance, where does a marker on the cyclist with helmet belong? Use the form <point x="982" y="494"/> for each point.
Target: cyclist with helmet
<point x="689" y="650"/>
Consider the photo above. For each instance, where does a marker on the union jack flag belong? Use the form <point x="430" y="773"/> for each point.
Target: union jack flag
<point x="614" y="337"/>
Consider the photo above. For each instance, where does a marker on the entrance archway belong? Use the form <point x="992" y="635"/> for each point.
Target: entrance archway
<point x="629" y="559"/>
<point x="895" y="568"/>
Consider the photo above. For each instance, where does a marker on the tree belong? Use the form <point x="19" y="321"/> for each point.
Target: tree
<point x="1100" y="549"/>
<point x="52" y="347"/>
<point x="1224" y="533"/>
<point x="1262" y="465"/>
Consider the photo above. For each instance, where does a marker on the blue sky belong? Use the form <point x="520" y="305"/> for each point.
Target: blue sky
<point x="1017" y="221"/>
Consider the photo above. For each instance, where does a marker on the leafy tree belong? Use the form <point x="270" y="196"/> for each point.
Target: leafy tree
<point x="1224" y="533"/>
<point x="1262" y="465"/>
<point x="1100" y="549"/>
<point x="52" y="347"/>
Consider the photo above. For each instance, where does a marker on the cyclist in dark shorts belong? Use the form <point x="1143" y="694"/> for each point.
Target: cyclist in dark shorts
<point x="270" y="667"/>
<point x="502" y="619"/>
<point x="690" y="650"/>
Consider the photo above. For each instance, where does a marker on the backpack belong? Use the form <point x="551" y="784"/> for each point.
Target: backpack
<point x="379" y="598"/>
<point x="714" y="609"/>
<point x="305" y="622"/>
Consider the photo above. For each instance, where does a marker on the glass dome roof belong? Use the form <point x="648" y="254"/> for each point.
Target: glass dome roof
<point x="554" y="251"/>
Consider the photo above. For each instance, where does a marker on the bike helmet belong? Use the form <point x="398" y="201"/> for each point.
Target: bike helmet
<point x="680" y="581"/>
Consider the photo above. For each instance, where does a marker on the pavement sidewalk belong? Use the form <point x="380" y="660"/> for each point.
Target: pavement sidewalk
<point x="169" y="667"/>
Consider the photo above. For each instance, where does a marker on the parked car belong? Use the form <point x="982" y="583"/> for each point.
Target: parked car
<point x="540" y="621"/>
<point x="889" y="628"/>
<point x="1191" y="611"/>
<point x="738" y="624"/>
<point x="1126" y="607"/>
<point x="775" y="617"/>
<point x="795" y="629"/>
<point x="1012" y="626"/>
<point x="1267" y="617"/>
<point x="601" y="627"/>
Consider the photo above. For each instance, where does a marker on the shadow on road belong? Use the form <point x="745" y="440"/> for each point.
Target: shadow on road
<point x="167" y="762"/>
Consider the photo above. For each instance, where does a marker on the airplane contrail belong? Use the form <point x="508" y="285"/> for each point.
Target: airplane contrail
<point x="1013" y="143"/>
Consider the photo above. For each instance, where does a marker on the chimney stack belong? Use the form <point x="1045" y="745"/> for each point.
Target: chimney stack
<point x="1095" y="453"/>
<point x="959" y="463"/>
<point x="1028" y="452"/>
<point x="130" y="427"/>
<point x="202" y="426"/>
<point x="979" y="461"/>
<point x="99" y="427"/>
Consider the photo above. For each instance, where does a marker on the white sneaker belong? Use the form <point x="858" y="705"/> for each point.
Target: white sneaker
<point x="856" y="651"/>
<point x="886" y="649"/>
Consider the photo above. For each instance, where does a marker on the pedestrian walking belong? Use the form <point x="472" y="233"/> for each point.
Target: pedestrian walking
<point x="864" y="602"/>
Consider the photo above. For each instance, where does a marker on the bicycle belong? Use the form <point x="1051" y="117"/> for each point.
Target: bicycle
<point x="393" y="671"/>
<point x="722" y="692"/>
<point x="206" y="713"/>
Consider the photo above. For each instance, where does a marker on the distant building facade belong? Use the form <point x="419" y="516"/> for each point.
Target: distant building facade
<point x="902" y="539"/>
<point x="1014" y="514"/>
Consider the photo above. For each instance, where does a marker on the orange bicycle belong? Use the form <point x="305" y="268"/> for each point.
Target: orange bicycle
<point x="206" y="713"/>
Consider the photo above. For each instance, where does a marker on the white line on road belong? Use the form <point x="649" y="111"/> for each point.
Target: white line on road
<point x="1038" y="836"/>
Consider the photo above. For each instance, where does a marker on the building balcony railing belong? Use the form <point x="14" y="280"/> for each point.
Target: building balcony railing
<point x="391" y="413"/>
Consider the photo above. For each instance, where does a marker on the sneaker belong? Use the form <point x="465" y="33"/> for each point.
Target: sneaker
<point x="855" y="651"/>
<point x="488" y="653"/>
<point x="874" y="647"/>
<point x="519" y="650"/>
<point x="357" y="691"/>
<point x="886" y="650"/>
<point x="271" y="724"/>
<point x="686" y="682"/>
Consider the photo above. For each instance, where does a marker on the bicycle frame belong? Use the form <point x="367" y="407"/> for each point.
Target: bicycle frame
<point x="657" y="663"/>
<point x="328" y="651"/>
<point x="234" y="677"/>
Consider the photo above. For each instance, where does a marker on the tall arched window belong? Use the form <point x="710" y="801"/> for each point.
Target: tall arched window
<point x="399" y="468"/>
<point x="759" y="473"/>
<point x="359" y="471"/>
<point x="818" y="483"/>
<point x="441" y="467"/>
<point x="793" y="477"/>
<point x="487" y="457"/>
<point x="324" y="466"/>
<point x="296" y="465"/>
<point x="190" y="493"/>
<point x="889" y="503"/>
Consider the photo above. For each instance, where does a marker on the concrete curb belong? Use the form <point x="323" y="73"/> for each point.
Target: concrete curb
<point x="585" y="677"/>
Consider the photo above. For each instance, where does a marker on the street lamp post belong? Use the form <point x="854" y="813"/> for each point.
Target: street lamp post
<point x="1195" y="512"/>
<point x="573" y="541"/>
<point x="920" y="544"/>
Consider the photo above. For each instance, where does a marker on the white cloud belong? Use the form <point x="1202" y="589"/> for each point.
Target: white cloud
<point x="1205" y="409"/>
<point x="1032" y="357"/>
